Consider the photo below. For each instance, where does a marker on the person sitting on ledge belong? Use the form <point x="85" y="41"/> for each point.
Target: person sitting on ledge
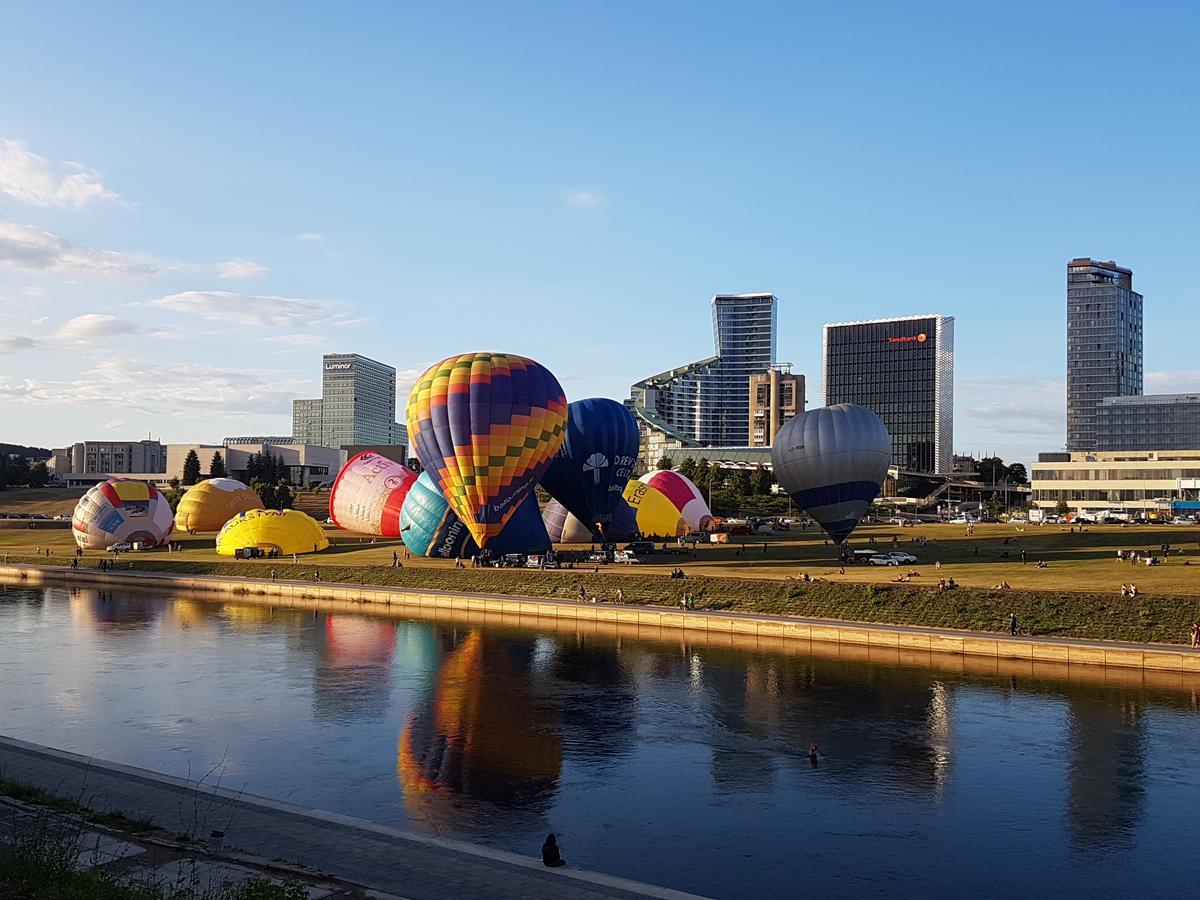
<point x="551" y="857"/>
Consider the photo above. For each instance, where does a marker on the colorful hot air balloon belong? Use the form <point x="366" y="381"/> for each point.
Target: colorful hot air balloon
<point x="597" y="456"/>
<point x="685" y="495"/>
<point x="286" y="530"/>
<point x="656" y="515"/>
<point x="119" y="511"/>
<point x="368" y="493"/>
<point x="524" y="532"/>
<point x="213" y="502"/>
<point x="563" y="527"/>
<point x="832" y="462"/>
<point x="485" y="426"/>
<point x="429" y="526"/>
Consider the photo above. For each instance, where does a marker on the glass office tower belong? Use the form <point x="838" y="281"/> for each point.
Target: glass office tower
<point x="903" y="370"/>
<point x="1149" y="422"/>
<point x="1104" y="344"/>
<point x="357" y="405"/>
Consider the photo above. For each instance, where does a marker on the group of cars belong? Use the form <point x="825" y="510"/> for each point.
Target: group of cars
<point x="873" y="557"/>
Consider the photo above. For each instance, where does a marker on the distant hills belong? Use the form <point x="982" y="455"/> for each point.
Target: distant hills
<point x="22" y="450"/>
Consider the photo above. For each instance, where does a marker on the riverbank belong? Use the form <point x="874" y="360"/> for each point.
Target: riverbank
<point x="349" y="850"/>
<point x="708" y="618"/>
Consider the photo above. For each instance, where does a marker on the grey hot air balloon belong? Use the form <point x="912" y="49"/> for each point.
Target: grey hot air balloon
<point x="832" y="461"/>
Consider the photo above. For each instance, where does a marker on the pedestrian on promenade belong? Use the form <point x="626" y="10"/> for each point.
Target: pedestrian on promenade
<point x="74" y="563"/>
<point x="1195" y="642"/>
<point x="1012" y="624"/>
<point x="395" y="560"/>
<point x="1024" y="557"/>
<point x="582" y="599"/>
<point x="551" y="857"/>
<point x="273" y="575"/>
<point x="620" y="596"/>
<point x="316" y="574"/>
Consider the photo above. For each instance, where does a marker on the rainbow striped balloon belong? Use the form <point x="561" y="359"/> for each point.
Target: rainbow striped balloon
<point x="486" y="426"/>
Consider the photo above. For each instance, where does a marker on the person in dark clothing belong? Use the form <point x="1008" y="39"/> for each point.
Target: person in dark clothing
<point x="550" y="855"/>
<point x="1012" y="624"/>
<point x="1024" y="557"/>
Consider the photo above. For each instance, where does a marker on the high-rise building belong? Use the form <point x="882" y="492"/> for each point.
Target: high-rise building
<point x="1104" y="344"/>
<point x="903" y="370"/>
<point x="357" y="405"/>
<point x="775" y="398"/>
<point x="707" y="403"/>
<point x="1148" y="422"/>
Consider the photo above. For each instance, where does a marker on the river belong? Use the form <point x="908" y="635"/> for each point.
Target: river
<point x="667" y="761"/>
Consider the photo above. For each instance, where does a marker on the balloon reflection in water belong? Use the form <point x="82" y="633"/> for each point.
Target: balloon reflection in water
<point x="481" y="736"/>
<point x="354" y="667"/>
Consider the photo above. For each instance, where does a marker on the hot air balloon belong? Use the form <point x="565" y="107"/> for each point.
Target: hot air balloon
<point x="119" y="511"/>
<point x="656" y="515"/>
<point x="685" y="495"/>
<point x="213" y="502"/>
<point x="524" y="532"/>
<point x="368" y="493"/>
<point x="429" y="526"/>
<point x="485" y="426"/>
<point x="286" y="530"/>
<point x="594" y="463"/>
<point x="563" y="527"/>
<point x="832" y="462"/>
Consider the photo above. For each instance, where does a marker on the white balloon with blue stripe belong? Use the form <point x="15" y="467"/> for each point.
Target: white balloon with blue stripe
<point x="832" y="462"/>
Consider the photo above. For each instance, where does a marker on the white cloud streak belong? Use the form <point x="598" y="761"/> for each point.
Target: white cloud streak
<point x="310" y="236"/>
<point x="90" y="326"/>
<point x="240" y="268"/>
<point x="579" y="199"/>
<point x="291" y="313"/>
<point x="1185" y="382"/>
<point x="30" y="178"/>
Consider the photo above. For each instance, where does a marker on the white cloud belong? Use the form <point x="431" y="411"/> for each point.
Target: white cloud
<point x="30" y="178"/>
<point x="299" y="340"/>
<point x="311" y="236"/>
<point x="1186" y="382"/>
<point x="1011" y="405"/>
<point x="14" y="343"/>
<point x="33" y="249"/>
<point x="585" y="199"/>
<point x="90" y="326"/>
<point x="114" y="424"/>
<point x="156" y="389"/>
<point x="264" y="311"/>
<point x="240" y="268"/>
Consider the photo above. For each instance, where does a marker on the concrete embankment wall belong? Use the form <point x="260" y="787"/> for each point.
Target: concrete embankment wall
<point x="740" y="629"/>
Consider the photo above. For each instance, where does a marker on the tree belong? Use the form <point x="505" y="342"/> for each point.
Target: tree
<point x="267" y="494"/>
<point x="17" y="471"/>
<point x="994" y="505"/>
<point x="742" y="483"/>
<point x="216" y="468"/>
<point x="703" y="475"/>
<point x="191" y="468"/>
<point x="39" y="475"/>
<point x="992" y="470"/>
<point x="1061" y="507"/>
<point x="1018" y="474"/>
<point x="761" y="481"/>
<point x="664" y="464"/>
<point x="687" y="469"/>
<point x="174" y="494"/>
<point x="314" y="487"/>
<point x="283" y="495"/>
<point x="253" y="468"/>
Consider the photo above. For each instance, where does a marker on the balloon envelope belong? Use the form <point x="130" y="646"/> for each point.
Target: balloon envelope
<point x="485" y="426"/>
<point x="285" y="530"/>
<point x="832" y="461"/>
<point x="656" y="515"/>
<point x="429" y="526"/>
<point x="116" y="511"/>
<point x="213" y="502"/>
<point x="368" y="493"/>
<point x="687" y="498"/>
<point x="594" y="463"/>
<point x="563" y="527"/>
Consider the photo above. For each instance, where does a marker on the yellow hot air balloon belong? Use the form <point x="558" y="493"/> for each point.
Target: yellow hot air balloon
<point x="657" y="516"/>
<point x="213" y="502"/>
<point x="285" y="530"/>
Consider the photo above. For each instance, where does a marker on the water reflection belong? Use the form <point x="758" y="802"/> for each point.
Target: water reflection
<point x="1107" y="752"/>
<point x="353" y="666"/>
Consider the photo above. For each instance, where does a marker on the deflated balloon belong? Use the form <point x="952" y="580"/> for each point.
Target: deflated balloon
<point x="368" y="493"/>
<point x="594" y="463"/>
<point x="429" y="526"/>
<point x="832" y="461"/>
<point x="687" y="498"/>
<point x="656" y="515"/>
<point x="118" y="511"/>
<point x="485" y="426"/>
<point x="286" y="530"/>
<point x="213" y="502"/>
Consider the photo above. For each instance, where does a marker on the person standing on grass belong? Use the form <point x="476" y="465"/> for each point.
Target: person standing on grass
<point x="1024" y="557"/>
<point x="1195" y="642"/>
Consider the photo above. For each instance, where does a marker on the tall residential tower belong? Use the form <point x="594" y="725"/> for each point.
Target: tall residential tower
<point x="903" y="370"/>
<point x="1104" y="344"/>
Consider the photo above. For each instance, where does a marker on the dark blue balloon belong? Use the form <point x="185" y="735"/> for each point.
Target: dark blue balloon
<point x="524" y="532"/>
<point x="595" y="462"/>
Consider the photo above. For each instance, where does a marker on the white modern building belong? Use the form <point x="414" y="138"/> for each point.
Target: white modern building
<point x="357" y="405"/>
<point x="1147" y="481"/>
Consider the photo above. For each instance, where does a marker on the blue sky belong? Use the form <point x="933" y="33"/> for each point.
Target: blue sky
<point x="196" y="202"/>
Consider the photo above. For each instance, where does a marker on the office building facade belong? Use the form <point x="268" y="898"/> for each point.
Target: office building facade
<point x="1149" y="422"/>
<point x="707" y="403"/>
<point x="357" y="405"/>
<point x="1166" y="482"/>
<point x="903" y="370"/>
<point x="1104" y="344"/>
<point x="109" y="457"/>
<point x="775" y="398"/>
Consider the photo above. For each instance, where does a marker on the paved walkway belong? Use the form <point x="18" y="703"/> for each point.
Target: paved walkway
<point x="348" y="851"/>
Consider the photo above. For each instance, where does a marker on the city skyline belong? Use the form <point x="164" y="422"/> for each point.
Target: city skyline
<point x="176" y="250"/>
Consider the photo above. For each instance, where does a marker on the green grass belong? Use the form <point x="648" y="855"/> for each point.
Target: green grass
<point x="27" y="793"/>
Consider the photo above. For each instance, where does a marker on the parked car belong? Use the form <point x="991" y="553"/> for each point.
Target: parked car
<point x="119" y="547"/>
<point x="643" y="547"/>
<point x="880" y="560"/>
<point x="901" y="557"/>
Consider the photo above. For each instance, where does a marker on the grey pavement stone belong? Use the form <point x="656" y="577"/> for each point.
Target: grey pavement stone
<point x="97" y="849"/>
